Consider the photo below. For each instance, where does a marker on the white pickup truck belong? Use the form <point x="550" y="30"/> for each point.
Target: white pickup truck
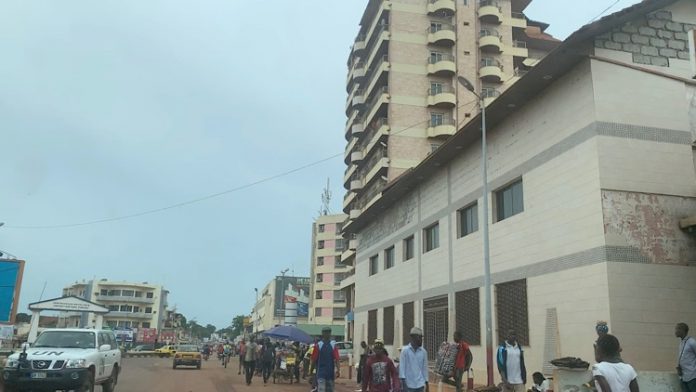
<point x="65" y="359"/>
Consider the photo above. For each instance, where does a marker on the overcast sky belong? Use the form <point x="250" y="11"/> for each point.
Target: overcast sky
<point x="109" y="108"/>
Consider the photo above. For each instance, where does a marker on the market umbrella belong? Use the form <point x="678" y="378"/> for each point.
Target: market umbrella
<point x="288" y="332"/>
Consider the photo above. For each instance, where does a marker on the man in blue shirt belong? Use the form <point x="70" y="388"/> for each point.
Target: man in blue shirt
<point x="326" y="360"/>
<point x="413" y="364"/>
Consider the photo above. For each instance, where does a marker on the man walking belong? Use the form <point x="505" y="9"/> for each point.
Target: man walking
<point x="242" y="353"/>
<point x="511" y="364"/>
<point x="250" y="360"/>
<point x="380" y="374"/>
<point x="267" y="360"/>
<point x="326" y="359"/>
<point x="413" y="364"/>
<point x="463" y="361"/>
<point x="686" y="362"/>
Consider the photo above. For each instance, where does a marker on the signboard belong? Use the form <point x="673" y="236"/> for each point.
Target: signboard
<point x="168" y="337"/>
<point x="124" y="335"/>
<point x="146" y="335"/>
<point x="292" y="288"/>
<point x="69" y="304"/>
<point x="11" y="272"/>
<point x="6" y="332"/>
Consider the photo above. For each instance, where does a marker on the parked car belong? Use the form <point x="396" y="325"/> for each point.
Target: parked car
<point x="187" y="355"/>
<point x="144" y="347"/>
<point x="344" y="348"/>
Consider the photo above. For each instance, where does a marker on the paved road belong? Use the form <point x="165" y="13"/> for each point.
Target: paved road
<point x="157" y="375"/>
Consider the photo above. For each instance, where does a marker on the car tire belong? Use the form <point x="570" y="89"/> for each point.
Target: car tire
<point x="198" y="366"/>
<point x="110" y="384"/>
<point x="173" y="366"/>
<point x="88" y="384"/>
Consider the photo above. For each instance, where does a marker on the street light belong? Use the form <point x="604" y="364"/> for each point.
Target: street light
<point x="486" y="252"/>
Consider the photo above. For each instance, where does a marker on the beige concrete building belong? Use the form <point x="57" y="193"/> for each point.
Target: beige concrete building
<point x="131" y="305"/>
<point x="591" y="169"/>
<point x="403" y="98"/>
<point x="327" y="304"/>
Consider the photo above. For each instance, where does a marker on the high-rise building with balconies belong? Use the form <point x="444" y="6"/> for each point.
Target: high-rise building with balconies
<point x="403" y="96"/>
<point x="131" y="305"/>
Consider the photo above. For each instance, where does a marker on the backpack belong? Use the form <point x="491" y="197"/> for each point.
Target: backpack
<point x="446" y="358"/>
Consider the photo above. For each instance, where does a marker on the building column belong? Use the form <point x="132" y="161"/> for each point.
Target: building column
<point x="100" y="322"/>
<point x="34" y="327"/>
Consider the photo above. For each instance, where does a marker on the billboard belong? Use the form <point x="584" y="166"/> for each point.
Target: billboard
<point x="291" y="288"/>
<point x="11" y="272"/>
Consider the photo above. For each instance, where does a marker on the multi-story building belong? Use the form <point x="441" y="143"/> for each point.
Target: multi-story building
<point x="403" y="96"/>
<point x="327" y="301"/>
<point x="591" y="178"/>
<point x="282" y="296"/>
<point x="131" y="305"/>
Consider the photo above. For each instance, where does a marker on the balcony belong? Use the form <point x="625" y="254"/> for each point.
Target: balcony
<point x="530" y="61"/>
<point x="490" y="12"/>
<point x="356" y="185"/>
<point x="356" y="74"/>
<point x="442" y="97"/>
<point x="129" y="315"/>
<point x="353" y="244"/>
<point x="442" y="64"/>
<point x="356" y="156"/>
<point x="441" y="127"/>
<point x="441" y="7"/>
<point x="120" y="298"/>
<point x="349" y="149"/>
<point x="347" y="199"/>
<point x="379" y="97"/>
<point x="374" y="78"/>
<point x="349" y="123"/>
<point x="489" y="95"/>
<point x="490" y="41"/>
<point x="347" y="257"/>
<point x="519" y="49"/>
<point x="348" y="175"/>
<point x="441" y="34"/>
<point x="354" y="213"/>
<point x="357" y="128"/>
<point x="377" y="132"/>
<point x="380" y="165"/>
<point x="518" y="20"/>
<point x="491" y="70"/>
<point x="360" y="44"/>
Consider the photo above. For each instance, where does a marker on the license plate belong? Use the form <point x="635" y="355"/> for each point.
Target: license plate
<point x="38" y="375"/>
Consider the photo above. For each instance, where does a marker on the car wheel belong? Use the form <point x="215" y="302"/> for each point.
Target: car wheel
<point x="88" y="384"/>
<point x="110" y="384"/>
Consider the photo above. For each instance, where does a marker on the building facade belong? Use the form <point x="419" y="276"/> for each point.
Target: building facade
<point x="591" y="173"/>
<point x="327" y="301"/>
<point x="403" y="96"/>
<point x="284" y="300"/>
<point x="131" y="305"/>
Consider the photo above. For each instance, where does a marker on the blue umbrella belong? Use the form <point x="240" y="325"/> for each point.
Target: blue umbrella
<point x="288" y="332"/>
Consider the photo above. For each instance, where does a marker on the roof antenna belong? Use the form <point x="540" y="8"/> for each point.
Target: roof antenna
<point x="326" y="200"/>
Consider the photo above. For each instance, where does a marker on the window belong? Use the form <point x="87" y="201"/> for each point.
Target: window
<point x="339" y="228"/>
<point x="320" y="260"/>
<point x="339" y="313"/>
<point x="146" y="325"/>
<point x="320" y="278"/>
<point x="437" y="119"/>
<point x="136" y="309"/>
<point x="317" y="312"/>
<point x="389" y="258"/>
<point x="407" y="318"/>
<point x="435" y="57"/>
<point x="339" y="244"/>
<point x="104" y="292"/>
<point x="434" y="147"/>
<point x="408" y="248"/>
<point x="320" y="245"/>
<point x="113" y="308"/>
<point x="435" y="88"/>
<point x="128" y="293"/>
<point x="338" y="278"/>
<point x="138" y="294"/>
<point x="371" y="326"/>
<point x="339" y="296"/>
<point x="467" y="218"/>
<point x="435" y="27"/>
<point x="468" y="320"/>
<point x="373" y="265"/>
<point x="388" y="332"/>
<point x="431" y="237"/>
<point x="150" y="295"/>
<point x="338" y="263"/>
<point x="435" y="322"/>
<point x="511" y="308"/>
<point x="509" y="201"/>
<point x="126" y="308"/>
<point x="148" y="310"/>
<point x="321" y="228"/>
<point x="114" y="293"/>
<point x="319" y="295"/>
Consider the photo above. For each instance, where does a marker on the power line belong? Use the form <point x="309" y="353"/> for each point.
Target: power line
<point x="202" y="198"/>
<point x="605" y="10"/>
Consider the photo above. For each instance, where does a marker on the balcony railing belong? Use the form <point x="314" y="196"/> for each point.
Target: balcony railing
<point x="519" y="44"/>
<point x="489" y="62"/>
<point x="436" y="122"/>
<point x="489" y="33"/>
<point x="440" y="57"/>
<point x="376" y="96"/>
<point x="444" y="89"/>
<point x="121" y="298"/>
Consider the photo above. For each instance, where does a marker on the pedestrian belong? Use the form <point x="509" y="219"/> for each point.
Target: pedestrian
<point x="267" y="360"/>
<point x="250" y="361"/>
<point x="541" y="384"/>
<point x="463" y="360"/>
<point x="686" y="362"/>
<point x="298" y="355"/>
<point x="511" y="364"/>
<point x="363" y="360"/>
<point x="326" y="359"/>
<point x="413" y="364"/>
<point x="611" y="374"/>
<point x="380" y="373"/>
<point x="242" y="353"/>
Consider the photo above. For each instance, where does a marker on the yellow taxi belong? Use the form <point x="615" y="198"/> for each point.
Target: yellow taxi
<point x="166" y="351"/>
<point x="187" y="355"/>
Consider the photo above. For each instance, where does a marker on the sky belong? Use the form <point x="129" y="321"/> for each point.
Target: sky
<point x="109" y="108"/>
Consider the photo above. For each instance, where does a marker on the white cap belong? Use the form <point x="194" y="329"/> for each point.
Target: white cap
<point x="416" y="331"/>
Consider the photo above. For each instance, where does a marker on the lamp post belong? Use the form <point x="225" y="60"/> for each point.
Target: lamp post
<point x="486" y="251"/>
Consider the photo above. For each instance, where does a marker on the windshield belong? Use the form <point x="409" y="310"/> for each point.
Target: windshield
<point x="188" y="349"/>
<point x="65" y="339"/>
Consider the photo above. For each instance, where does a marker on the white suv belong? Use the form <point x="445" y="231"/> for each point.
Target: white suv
<point x="65" y="359"/>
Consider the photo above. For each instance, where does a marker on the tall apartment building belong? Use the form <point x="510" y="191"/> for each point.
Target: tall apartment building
<point x="403" y="96"/>
<point x="327" y="300"/>
<point x="131" y="305"/>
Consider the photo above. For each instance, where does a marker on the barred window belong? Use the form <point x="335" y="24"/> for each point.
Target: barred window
<point x="407" y="319"/>
<point x="371" y="326"/>
<point x="511" y="308"/>
<point x="435" y="315"/>
<point x="468" y="311"/>
<point x="388" y="333"/>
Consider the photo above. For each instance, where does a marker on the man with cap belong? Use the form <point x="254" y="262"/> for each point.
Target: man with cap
<point x="413" y="364"/>
<point x="326" y="359"/>
<point x="380" y="374"/>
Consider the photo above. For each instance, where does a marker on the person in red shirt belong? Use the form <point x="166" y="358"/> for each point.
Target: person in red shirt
<point x="463" y="361"/>
<point x="379" y="374"/>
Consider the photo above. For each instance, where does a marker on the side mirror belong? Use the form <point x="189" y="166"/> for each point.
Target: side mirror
<point x="105" y="347"/>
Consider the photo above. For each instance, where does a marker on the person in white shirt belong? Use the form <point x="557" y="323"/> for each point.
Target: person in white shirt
<point x="610" y="374"/>
<point x="541" y="384"/>
<point x="511" y="364"/>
